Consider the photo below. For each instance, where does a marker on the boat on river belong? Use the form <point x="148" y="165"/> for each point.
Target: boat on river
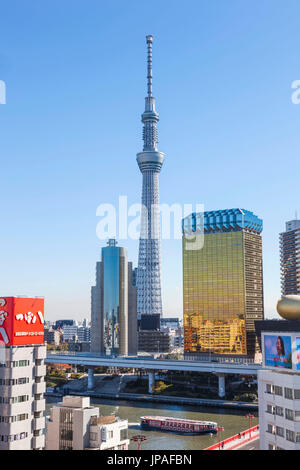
<point x="183" y="426"/>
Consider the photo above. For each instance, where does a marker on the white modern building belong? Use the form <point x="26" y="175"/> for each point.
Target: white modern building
<point x="279" y="380"/>
<point x="76" y="425"/>
<point x="22" y="403"/>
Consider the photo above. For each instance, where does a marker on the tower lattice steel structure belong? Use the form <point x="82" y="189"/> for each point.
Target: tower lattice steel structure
<point x="150" y="162"/>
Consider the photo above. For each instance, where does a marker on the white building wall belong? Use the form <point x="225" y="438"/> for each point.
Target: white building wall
<point x="109" y="436"/>
<point x="22" y="400"/>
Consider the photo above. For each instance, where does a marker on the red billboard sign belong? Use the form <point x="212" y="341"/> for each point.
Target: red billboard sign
<point x="21" y="321"/>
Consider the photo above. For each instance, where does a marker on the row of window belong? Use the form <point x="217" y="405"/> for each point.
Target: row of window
<point x="20" y="381"/>
<point x="279" y="431"/>
<point x="10" y="364"/>
<point x="13" y="437"/>
<point x="12" y="400"/>
<point x="13" y="419"/>
<point x="279" y="411"/>
<point x="274" y="447"/>
<point x="289" y="393"/>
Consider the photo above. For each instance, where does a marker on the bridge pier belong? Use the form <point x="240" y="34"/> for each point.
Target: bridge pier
<point x="221" y="385"/>
<point x="151" y="377"/>
<point x="91" y="379"/>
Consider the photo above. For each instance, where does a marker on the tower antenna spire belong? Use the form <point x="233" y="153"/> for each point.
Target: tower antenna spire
<point x="149" y="39"/>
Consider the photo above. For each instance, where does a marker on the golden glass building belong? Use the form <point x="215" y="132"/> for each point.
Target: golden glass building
<point x="222" y="282"/>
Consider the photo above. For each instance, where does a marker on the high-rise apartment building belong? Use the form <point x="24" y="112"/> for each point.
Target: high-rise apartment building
<point x="22" y="372"/>
<point x="150" y="161"/>
<point x="222" y="282"/>
<point x="84" y="334"/>
<point x="113" y="304"/>
<point x="290" y="258"/>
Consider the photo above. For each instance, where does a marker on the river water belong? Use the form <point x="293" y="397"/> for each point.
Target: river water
<point x="233" y="422"/>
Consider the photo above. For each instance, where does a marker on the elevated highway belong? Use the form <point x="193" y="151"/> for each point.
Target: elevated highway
<point x="150" y="364"/>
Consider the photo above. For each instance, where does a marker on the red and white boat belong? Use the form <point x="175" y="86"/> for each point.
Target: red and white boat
<point x="184" y="426"/>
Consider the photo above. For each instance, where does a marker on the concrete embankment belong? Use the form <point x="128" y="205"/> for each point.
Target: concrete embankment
<point x="165" y="399"/>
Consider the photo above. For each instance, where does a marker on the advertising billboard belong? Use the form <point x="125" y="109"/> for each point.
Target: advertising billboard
<point x="21" y="321"/>
<point x="297" y="343"/>
<point x="278" y="351"/>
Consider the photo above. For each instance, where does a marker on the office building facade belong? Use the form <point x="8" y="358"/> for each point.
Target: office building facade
<point x="290" y="258"/>
<point x="222" y="282"/>
<point x="70" y="332"/>
<point x="154" y="341"/>
<point x="113" y="304"/>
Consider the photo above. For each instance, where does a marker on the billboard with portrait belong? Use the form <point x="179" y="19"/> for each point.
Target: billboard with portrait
<point x="297" y="341"/>
<point x="278" y="351"/>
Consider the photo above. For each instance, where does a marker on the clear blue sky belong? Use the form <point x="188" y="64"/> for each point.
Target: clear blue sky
<point x="69" y="133"/>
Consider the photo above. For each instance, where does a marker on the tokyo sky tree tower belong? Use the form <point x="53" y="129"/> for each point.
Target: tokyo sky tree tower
<point x="150" y="162"/>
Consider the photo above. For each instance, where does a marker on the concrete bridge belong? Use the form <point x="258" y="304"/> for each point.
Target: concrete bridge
<point x="150" y="364"/>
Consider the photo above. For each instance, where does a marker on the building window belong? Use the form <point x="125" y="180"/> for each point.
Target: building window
<point x="288" y="393"/>
<point x="279" y="431"/>
<point x="278" y="390"/>
<point x="271" y="429"/>
<point x="23" y="363"/>
<point x="289" y="414"/>
<point x="290" y="435"/>
<point x="13" y="419"/>
<point x="269" y="388"/>
<point x="297" y="394"/>
<point x="279" y="411"/>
